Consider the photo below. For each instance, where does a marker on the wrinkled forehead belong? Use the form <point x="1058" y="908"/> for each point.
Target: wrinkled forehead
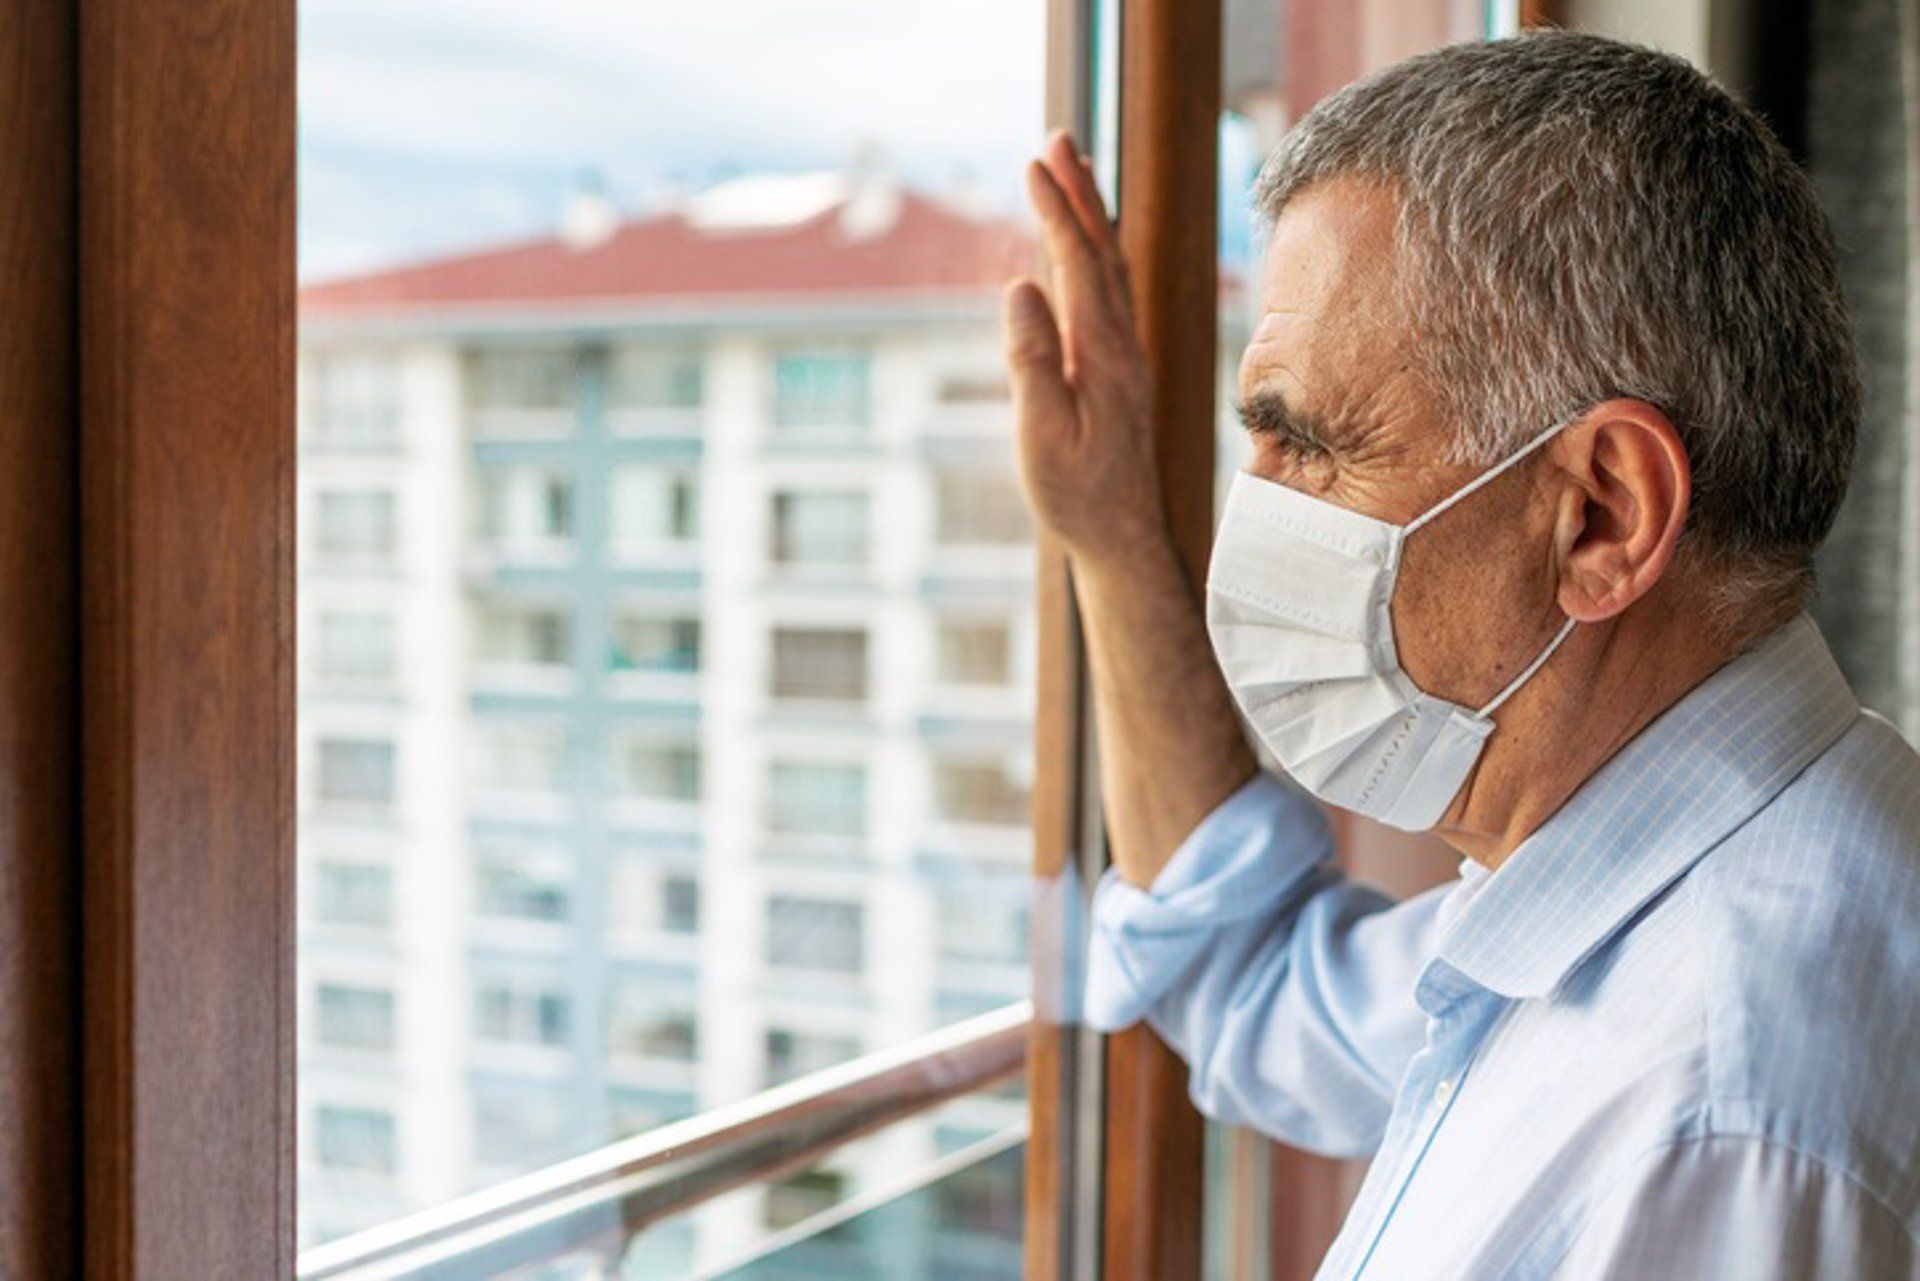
<point x="1330" y="321"/>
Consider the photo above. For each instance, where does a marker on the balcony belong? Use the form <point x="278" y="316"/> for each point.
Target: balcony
<point x="579" y="1218"/>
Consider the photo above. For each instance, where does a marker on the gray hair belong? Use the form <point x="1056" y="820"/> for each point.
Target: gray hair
<point x="1582" y="219"/>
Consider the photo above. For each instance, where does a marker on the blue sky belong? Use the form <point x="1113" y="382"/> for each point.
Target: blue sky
<point x="428" y="125"/>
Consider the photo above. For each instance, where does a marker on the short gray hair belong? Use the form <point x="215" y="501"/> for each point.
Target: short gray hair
<point x="1582" y="219"/>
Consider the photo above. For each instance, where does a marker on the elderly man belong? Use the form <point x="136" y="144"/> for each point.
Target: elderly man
<point x="1552" y="398"/>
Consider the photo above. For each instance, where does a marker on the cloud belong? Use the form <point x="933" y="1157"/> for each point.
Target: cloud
<point x="428" y="125"/>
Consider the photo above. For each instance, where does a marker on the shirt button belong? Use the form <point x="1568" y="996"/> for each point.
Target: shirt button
<point x="1442" y="1092"/>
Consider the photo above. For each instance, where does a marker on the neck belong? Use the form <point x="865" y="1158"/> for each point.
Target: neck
<point x="1608" y="682"/>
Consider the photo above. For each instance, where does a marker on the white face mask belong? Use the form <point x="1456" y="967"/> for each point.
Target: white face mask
<point x="1299" y="605"/>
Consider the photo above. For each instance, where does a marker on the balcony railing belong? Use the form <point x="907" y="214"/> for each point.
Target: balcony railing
<point x="596" y="1202"/>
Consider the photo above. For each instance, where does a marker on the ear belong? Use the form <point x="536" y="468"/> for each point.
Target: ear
<point x="1627" y="486"/>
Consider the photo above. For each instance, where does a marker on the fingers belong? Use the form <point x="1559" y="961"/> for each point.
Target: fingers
<point x="1036" y="358"/>
<point x="1073" y="173"/>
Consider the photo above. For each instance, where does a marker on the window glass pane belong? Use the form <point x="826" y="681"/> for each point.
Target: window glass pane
<point x="665" y="599"/>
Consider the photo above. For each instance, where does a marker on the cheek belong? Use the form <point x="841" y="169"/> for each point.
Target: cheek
<point x="1461" y="595"/>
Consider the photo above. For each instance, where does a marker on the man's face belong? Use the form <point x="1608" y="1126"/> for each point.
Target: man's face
<point x="1337" y="409"/>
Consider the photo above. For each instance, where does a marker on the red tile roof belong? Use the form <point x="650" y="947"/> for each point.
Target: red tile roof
<point x="929" y="248"/>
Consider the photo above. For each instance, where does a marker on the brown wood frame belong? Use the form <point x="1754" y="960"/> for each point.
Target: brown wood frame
<point x="39" y="850"/>
<point x="186" y="258"/>
<point x="1154" y="1141"/>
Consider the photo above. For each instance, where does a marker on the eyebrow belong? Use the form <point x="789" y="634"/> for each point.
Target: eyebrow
<point x="1266" y="413"/>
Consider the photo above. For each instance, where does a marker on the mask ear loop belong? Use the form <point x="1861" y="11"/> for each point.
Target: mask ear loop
<point x="1540" y="661"/>
<point x="1486" y="477"/>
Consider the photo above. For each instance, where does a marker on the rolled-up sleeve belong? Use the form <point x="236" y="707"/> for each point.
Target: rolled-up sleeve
<point x="1287" y="989"/>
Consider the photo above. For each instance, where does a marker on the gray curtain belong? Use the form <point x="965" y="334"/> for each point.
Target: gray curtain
<point x="1863" y="148"/>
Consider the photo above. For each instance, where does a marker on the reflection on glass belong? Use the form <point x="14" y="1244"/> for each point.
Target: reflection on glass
<point x="665" y="591"/>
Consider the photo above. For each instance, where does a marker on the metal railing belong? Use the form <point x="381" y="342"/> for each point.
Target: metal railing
<point x="597" y="1202"/>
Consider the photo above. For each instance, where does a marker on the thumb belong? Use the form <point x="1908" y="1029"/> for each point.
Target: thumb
<point x="1034" y="356"/>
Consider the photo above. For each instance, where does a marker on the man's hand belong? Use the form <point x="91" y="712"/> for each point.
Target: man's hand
<point x="1170" y="746"/>
<point x="1081" y="388"/>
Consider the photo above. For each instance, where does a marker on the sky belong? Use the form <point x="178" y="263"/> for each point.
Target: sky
<point x="432" y="126"/>
<point x="428" y="125"/>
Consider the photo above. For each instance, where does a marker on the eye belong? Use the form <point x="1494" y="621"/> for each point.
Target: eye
<point x="1272" y="428"/>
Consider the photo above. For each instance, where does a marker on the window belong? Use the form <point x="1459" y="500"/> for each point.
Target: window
<point x="646" y="641"/>
<point x="813" y="798"/>
<point x="521" y="379"/>
<point x="522" y="634"/>
<point x="654" y="506"/>
<point x="520" y="1011"/>
<point x="520" y="756"/>
<point x="526" y="508"/>
<point x="641" y="1026"/>
<point x="658" y="769"/>
<point x="828" y="664"/>
<point x="356" y="772"/>
<point x="518" y="1128"/>
<point x="799" y="1197"/>
<point x="980" y="507"/>
<point x="355" y="1139"/>
<point x="356" y="525"/>
<point x="355" y="646"/>
<point x="353" y="1018"/>
<point x="353" y="894"/>
<point x="519" y="884"/>
<point x="973" y="651"/>
<point x="654" y="378"/>
<point x="815" y="934"/>
<point x="820" y="527"/>
<point x="987" y="387"/>
<point x="821" y="391"/>
<point x="791" y="1053"/>
<point x="979" y="791"/>
<point x="356" y="400"/>
<point x="648" y="899"/>
<point x="982" y="930"/>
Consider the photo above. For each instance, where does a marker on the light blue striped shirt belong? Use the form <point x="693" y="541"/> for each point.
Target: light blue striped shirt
<point x="1677" y="1034"/>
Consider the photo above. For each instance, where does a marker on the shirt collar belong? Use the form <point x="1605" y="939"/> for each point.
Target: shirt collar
<point x="1702" y="768"/>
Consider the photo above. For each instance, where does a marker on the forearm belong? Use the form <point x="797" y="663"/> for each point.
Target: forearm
<point x="1171" y="747"/>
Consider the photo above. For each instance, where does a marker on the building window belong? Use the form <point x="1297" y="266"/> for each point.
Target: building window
<point x="658" y="769"/>
<point x="820" y="527"/>
<point x="973" y="651"/>
<point x="520" y="1011"/>
<point x="356" y="401"/>
<point x="353" y="1018"/>
<point x="522" y="634"/>
<point x="982" y="930"/>
<point x="360" y="1140"/>
<point x="520" y="381"/>
<point x="820" y="663"/>
<point x="979" y="791"/>
<point x="646" y="899"/>
<point x="526" y="507"/>
<point x="641" y="1026"/>
<point x="356" y="646"/>
<point x="827" y="391"/>
<point x="522" y="885"/>
<point x="798" y="1197"/>
<point x="643" y="641"/>
<point x="979" y="1201"/>
<point x="654" y="506"/>
<point x="815" y="934"/>
<point x="979" y="507"/>
<point x="814" y="798"/>
<point x="651" y="379"/>
<point x="518" y="1129"/>
<point x="354" y="894"/>
<point x="356" y="772"/>
<point x="517" y="756"/>
<point x="356" y="525"/>
<point x="791" y="1054"/>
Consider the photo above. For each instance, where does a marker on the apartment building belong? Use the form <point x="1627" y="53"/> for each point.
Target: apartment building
<point x="666" y="669"/>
